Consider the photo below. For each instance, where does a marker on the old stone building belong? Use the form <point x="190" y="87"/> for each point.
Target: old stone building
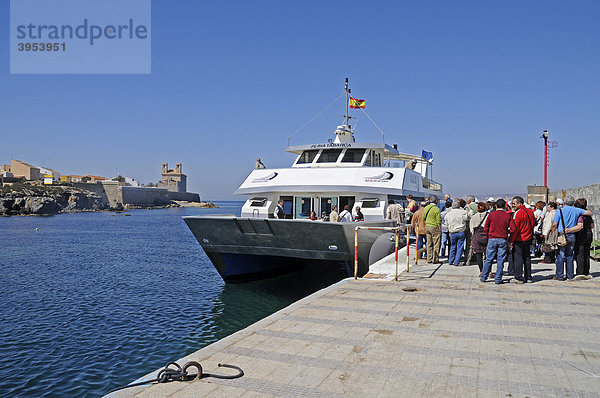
<point x="22" y="169"/>
<point x="173" y="179"/>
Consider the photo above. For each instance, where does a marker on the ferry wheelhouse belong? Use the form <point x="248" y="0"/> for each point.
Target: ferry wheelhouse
<point x="341" y="172"/>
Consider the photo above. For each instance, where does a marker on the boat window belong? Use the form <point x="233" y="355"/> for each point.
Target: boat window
<point x="258" y="202"/>
<point x="370" y="203"/>
<point x="302" y="207"/>
<point x="377" y="159"/>
<point x="329" y="155"/>
<point x="327" y="204"/>
<point x="368" y="161"/>
<point x="288" y="206"/>
<point x="346" y="200"/>
<point x="307" y="156"/>
<point x="353" y="155"/>
<point x="402" y="200"/>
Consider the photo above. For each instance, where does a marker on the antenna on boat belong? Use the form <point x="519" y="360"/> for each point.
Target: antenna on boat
<point x="343" y="132"/>
<point x="347" y="117"/>
<point x="347" y="101"/>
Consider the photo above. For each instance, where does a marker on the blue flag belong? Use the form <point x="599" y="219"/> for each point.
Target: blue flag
<point x="427" y="155"/>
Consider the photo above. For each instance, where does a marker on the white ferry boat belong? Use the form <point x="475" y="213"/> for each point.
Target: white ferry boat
<point x="338" y="172"/>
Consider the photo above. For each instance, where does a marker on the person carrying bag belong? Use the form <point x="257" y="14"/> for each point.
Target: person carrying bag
<point x="561" y="241"/>
<point x="550" y="242"/>
<point x="479" y="239"/>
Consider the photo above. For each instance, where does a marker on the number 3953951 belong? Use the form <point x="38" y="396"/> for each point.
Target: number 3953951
<point x="41" y="47"/>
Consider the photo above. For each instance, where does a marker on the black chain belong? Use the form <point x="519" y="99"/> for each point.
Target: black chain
<point x="168" y="374"/>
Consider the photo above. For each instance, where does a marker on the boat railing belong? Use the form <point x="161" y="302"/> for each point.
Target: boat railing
<point x="428" y="183"/>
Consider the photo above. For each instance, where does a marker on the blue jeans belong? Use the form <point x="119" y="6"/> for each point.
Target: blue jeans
<point x="445" y="241"/>
<point x="423" y="243"/>
<point x="496" y="248"/>
<point x="457" y="241"/>
<point x="565" y="253"/>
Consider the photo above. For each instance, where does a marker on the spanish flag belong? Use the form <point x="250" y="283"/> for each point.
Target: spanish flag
<point x="357" y="103"/>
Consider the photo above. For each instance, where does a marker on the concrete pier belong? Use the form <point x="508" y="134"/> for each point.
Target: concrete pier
<point x="437" y="332"/>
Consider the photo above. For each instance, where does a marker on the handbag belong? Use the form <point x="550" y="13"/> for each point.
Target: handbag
<point x="549" y="244"/>
<point x="547" y="247"/>
<point x="562" y="238"/>
<point x="479" y="236"/>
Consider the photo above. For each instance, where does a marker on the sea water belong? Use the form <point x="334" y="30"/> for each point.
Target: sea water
<point x="92" y="301"/>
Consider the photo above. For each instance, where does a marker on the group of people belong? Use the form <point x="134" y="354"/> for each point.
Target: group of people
<point x="558" y="229"/>
<point x="510" y="232"/>
<point x="343" y="216"/>
<point x="427" y="222"/>
<point x="574" y="222"/>
<point x="501" y="231"/>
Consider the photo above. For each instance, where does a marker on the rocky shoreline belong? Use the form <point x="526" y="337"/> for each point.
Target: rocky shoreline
<point x="28" y="199"/>
<point x="40" y="200"/>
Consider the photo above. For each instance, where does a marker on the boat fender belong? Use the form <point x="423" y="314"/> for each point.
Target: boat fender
<point x="384" y="246"/>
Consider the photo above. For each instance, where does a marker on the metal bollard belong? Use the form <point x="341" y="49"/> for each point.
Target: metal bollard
<point x="397" y="233"/>
<point x="417" y="244"/>
<point x="356" y="253"/>
<point x="407" y="247"/>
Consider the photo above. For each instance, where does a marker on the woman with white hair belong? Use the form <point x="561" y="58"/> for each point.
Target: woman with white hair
<point x="456" y="222"/>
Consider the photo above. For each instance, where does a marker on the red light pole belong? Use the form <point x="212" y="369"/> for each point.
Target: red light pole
<point x="545" y="135"/>
<point x="547" y="145"/>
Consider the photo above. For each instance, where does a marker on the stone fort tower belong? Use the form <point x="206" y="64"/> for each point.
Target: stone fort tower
<point x="173" y="180"/>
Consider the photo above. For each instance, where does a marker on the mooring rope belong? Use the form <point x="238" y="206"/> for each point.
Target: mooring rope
<point x="168" y="374"/>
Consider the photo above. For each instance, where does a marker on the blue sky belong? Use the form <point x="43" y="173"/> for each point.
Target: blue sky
<point x="473" y="82"/>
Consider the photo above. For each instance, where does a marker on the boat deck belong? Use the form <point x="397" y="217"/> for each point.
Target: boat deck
<point x="437" y="332"/>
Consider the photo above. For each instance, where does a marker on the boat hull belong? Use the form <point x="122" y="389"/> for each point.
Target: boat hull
<point x="250" y="248"/>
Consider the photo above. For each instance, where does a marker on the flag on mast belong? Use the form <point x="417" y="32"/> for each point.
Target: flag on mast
<point x="357" y="103"/>
<point x="427" y="155"/>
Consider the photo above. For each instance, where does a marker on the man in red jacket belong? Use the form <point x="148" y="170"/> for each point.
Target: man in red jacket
<point x="525" y="222"/>
<point x="498" y="227"/>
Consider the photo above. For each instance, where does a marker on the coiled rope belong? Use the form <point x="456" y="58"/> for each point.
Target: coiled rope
<point x="168" y="374"/>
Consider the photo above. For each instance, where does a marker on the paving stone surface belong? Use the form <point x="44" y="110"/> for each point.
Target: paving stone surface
<point x="436" y="332"/>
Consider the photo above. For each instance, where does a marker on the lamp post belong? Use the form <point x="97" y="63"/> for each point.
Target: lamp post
<point x="545" y="136"/>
